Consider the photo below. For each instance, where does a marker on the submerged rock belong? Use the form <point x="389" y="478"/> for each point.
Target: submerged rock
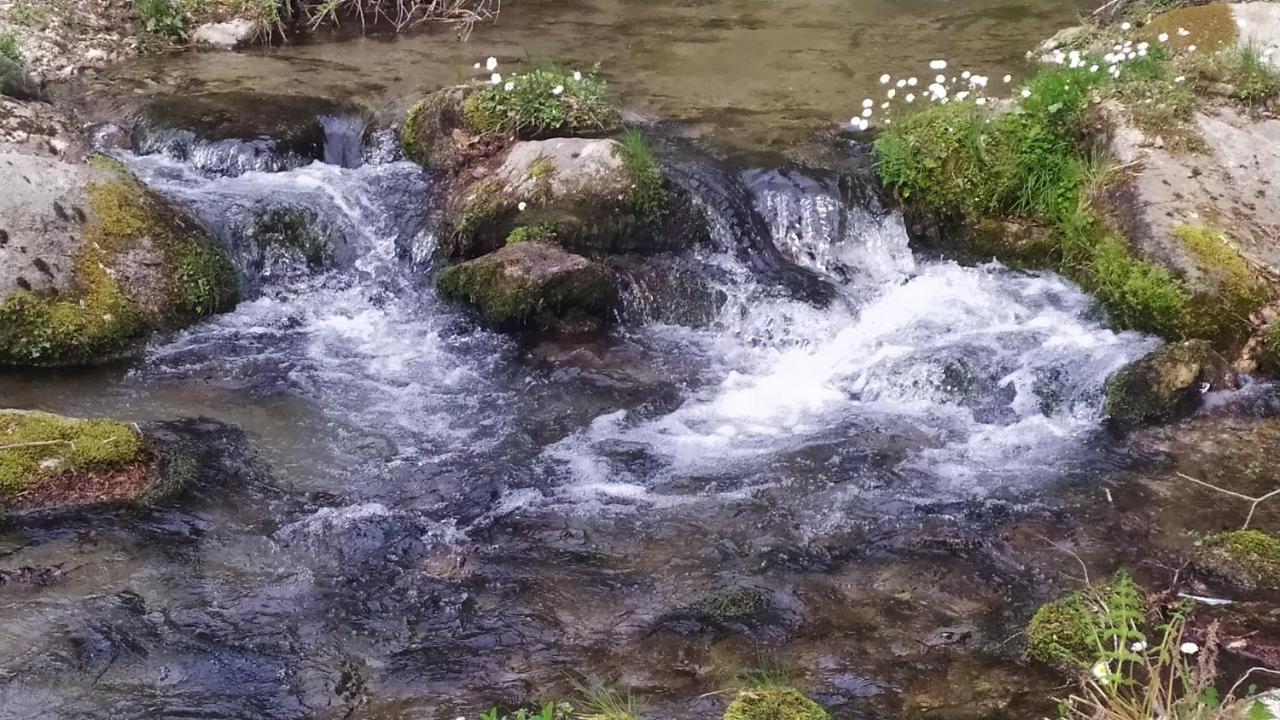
<point x="739" y="606"/>
<point x="530" y="283"/>
<point x="592" y="196"/>
<point x="233" y="132"/>
<point x="774" y="703"/>
<point x="92" y="262"/>
<point x="1165" y="385"/>
<point x="1248" y="560"/>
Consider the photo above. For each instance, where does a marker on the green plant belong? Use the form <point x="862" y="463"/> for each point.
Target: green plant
<point x="9" y="47"/>
<point x="543" y="102"/>
<point x="600" y="702"/>
<point x="162" y="18"/>
<point x="774" y="703"/>
<point x="646" y="196"/>
<point x="1269" y="350"/>
<point x="1242" y="70"/>
<point x="1228" y="293"/>
<point x="549" y="711"/>
<point x="27" y="13"/>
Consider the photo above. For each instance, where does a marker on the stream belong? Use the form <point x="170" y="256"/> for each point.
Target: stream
<point x="424" y="518"/>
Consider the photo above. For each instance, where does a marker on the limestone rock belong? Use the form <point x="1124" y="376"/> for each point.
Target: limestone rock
<point x="226" y="35"/>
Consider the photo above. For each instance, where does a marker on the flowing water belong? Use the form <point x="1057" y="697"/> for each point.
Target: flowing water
<point x="438" y="517"/>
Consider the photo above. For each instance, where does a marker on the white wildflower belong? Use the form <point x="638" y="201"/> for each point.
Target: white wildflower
<point x="940" y="79"/>
<point x="495" y="78"/>
<point x="1189" y="648"/>
<point x="1100" y="670"/>
<point x="1025" y="93"/>
<point x="884" y="105"/>
<point x="938" y="65"/>
<point x="962" y="95"/>
<point x="1183" y="32"/>
<point x="891" y="93"/>
<point x="1191" y="48"/>
<point x="866" y="113"/>
<point x="1163" y="37"/>
<point x="509" y="86"/>
<point x="965" y="75"/>
<point x="1132" y="55"/>
<point x="1093" y="68"/>
<point x="491" y="64"/>
<point x="1138" y="646"/>
<point x="884" y="79"/>
<point x="901" y="83"/>
<point x="867" y="103"/>
<point x="910" y="98"/>
<point x="522" y="206"/>
<point x="1180" y="78"/>
<point x="476" y="66"/>
<point x="1142" y="52"/>
<point x="1007" y="78"/>
<point x="912" y="81"/>
<point x="557" y="90"/>
<point x="577" y="76"/>
<point x="1126" y="26"/>
<point x="980" y="101"/>
<point x="1144" y="45"/>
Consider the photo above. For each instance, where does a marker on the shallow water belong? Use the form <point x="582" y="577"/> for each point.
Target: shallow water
<point x="760" y="75"/>
<point x="443" y="518"/>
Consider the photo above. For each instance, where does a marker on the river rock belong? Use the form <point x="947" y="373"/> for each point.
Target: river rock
<point x="530" y="283"/>
<point x="1165" y="385"/>
<point x="234" y="132"/>
<point x="1246" y="560"/>
<point x="227" y="35"/>
<point x="91" y="262"/>
<point x="579" y="193"/>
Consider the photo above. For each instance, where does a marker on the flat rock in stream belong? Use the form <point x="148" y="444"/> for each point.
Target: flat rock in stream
<point x="530" y="283"/>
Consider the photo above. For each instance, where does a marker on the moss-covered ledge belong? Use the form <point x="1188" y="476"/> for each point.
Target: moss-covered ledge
<point x="141" y="266"/>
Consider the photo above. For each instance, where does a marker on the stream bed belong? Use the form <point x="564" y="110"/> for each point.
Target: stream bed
<point x="422" y="518"/>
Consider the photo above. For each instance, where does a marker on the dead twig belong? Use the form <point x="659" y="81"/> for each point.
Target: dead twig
<point x="1255" y="501"/>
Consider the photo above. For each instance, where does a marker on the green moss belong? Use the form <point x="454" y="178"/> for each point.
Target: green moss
<point x="1229" y="292"/>
<point x="1137" y="295"/>
<point x="1163" y="384"/>
<point x="33" y="445"/>
<point x="774" y="703"/>
<point x="481" y="222"/>
<point x="1249" y="559"/>
<point x="647" y="197"/>
<point x="427" y="133"/>
<point x="733" y="605"/>
<point x="1062" y="632"/>
<point x="9" y="47"/>
<point x="95" y="321"/>
<point x="539" y="232"/>
<point x="533" y="108"/>
<point x="109" y="164"/>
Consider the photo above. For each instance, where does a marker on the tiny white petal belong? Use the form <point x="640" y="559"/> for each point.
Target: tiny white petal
<point x="522" y="206"/>
<point x="1189" y="648"/>
<point x="1183" y="32"/>
<point x="1163" y="37"/>
<point x="910" y="97"/>
<point x="866" y="113"/>
<point x="912" y="81"/>
<point x="1025" y="93"/>
<point x="980" y="101"/>
<point x="491" y="64"/>
<point x="891" y="93"/>
<point x="1180" y="78"/>
<point x="938" y="65"/>
<point x="867" y="103"/>
<point x="495" y="78"/>
<point x="509" y="86"/>
<point x="477" y="66"/>
<point x="940" y="79"/>
<point x="1191" y="48"/>
<point x="557" y="90"/>
<point x="1138" y="646"/>
<point x="965" y="74"/>
<point x="1100" y="670"/>
<point x="884" y="79"/>
<point x="1126" y="26"/>
<point x="901" y="83"/>
<point x="1093" y="68"/>
<point x="577" y="75"/>
<point x="884" y="105"/>
<point x="1007" y="78"/>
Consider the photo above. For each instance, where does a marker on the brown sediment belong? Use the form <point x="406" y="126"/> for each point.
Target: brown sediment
<point x="84" y="488"/>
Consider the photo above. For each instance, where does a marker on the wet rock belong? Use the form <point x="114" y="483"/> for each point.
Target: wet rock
<point x="1061" y="633"/>
<point x="91" y="262"/>
<point x="16" y="82"/>
<point x="227" y="35"/>
<point x="739" y="606"/>
<point x="434" y="133"/>
<point x="774" y="703"/>
<point x="233" y="132"/>
<point x="1247" y="560"/>
<point x="586" y="195"/>
<point x="530" y="283"/>
<point x="968" y="691"/>
<point x="1165" y="385"/>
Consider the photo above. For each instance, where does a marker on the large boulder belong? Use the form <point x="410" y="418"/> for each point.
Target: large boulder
<point x="1165" y="385"/>
<point x="529" y="283"/>
<point x="230" y="133"/>
<point x="91" y="262"/>
<point x="592" y="196"/>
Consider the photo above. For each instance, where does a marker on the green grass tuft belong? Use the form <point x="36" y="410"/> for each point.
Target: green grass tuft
<point x="646" y="197"/>
<point x="533" y="109"/>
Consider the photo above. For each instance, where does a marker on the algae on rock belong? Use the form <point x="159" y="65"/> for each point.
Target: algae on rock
<point x="774" y="703"/>
<point x="35" y="445"/>
<point x="1246" y="559"/>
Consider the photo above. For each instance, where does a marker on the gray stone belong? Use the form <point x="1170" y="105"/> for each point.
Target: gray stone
<point x="43" y="206"/>
<point x="227" y="35"/>
<point x="1258" y="25"/>
<point x="565" y="167"/>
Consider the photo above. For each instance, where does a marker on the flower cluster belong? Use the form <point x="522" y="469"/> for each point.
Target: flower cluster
<point x="541" y="100"/>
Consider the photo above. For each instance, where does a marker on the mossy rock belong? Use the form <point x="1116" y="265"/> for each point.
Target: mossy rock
<point x="1015" y="242"/>
<point x="141" y="266"/>
<point x="736" y="606"/>
<point x="588" y="196"/>
<point x="1062" y="632"/>
<point x="1226" y="291"/>
<point x="1248" y="560"/>
<point x="428" y="137"/>
<point x="774" y="703"/>
<point x="1210" y="28"/>
<point x="530" y="283"/>
<point x="48" y="459"/>
<point x="1165" y="384"/>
